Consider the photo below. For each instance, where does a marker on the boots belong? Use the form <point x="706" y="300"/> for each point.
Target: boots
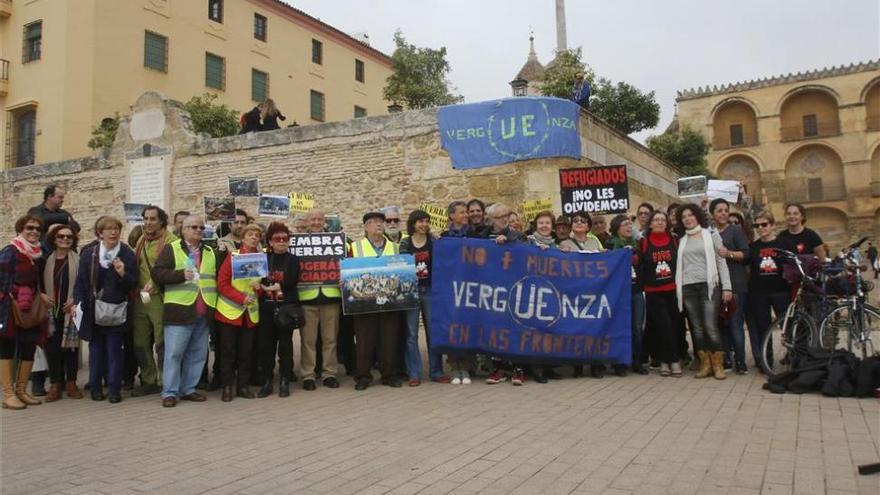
<point x="38" y="383"/>
<point x="10" y="401"/>
<point x="284" y="387"/>
<point x="24" y="371"/>
<point x="718" y="365"/>
<point x="265" y="390"/>
<point x="73" y="392"/>
<point x="54" y="392"/>
<point x="705" y="365"/>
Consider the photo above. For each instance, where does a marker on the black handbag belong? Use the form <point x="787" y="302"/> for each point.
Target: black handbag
<point x="289" y="315"/>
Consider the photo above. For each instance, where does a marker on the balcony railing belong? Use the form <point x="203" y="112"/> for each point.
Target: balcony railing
<point x="873" y="123"/>
<point x="724" y="141"/>
<point x="822" y="129"/>
<point x="796" y="192"/>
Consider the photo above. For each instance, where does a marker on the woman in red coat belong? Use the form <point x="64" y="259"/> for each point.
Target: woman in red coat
<point x="237" y="315"/>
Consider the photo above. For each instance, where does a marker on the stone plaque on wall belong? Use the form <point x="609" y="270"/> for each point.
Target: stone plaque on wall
<point x="147" y="180"/>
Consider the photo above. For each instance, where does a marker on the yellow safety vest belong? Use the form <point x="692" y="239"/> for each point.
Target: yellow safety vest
<point x="186" y="293"/>
<point x="232" y="310"/>
<point x="364" y="248"/>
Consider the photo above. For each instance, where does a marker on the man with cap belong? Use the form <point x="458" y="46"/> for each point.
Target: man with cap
<point x="374" y="330"/>
<point x="561" y="228"/>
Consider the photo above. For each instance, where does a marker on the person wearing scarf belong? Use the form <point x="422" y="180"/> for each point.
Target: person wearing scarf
<point x="59" y="275"/>
<point x="622" y="238"/>
<point x="20" y="265"/>
<point x="664" y="326"/>
<point x="147" y="329"/>
<point x="543" y="235"/>
<point x="697" y="288"/>
<point x="107" y="270"/>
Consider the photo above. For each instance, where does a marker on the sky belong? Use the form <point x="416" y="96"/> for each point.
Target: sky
<point x="656" y="45"/>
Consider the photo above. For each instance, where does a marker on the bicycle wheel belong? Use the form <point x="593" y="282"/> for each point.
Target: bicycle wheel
<point x="783" y="348"/>
<point x="855" y="329"/>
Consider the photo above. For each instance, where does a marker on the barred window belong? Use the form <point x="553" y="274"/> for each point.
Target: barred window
<point x="215" y="71"/>
<point x="260" y="25"/>
<point x="32" y="45"/>
<point x="155" y="51"/>
<point x="259" y="85"/>
<point x="317" y="105"/>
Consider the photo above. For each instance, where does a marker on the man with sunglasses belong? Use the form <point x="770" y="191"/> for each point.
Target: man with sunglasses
<point x="392" y="224"/>
<point x="147" y="321"/>
<point x="187" y="272"/>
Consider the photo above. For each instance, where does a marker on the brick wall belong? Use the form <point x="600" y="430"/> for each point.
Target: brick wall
<point x="351" y="167"/>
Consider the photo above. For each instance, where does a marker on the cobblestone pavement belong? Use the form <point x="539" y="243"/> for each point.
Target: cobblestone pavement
<point x="639" y="434"/>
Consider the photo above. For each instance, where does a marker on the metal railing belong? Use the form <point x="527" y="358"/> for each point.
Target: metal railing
<point x="720" y="142"/>
<point x="796" y="192"/>
<point x="873" y="123"/>
<point x="822" y="129"/>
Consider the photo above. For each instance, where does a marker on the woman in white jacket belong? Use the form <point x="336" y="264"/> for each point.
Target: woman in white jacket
<point x="699" y="272"/>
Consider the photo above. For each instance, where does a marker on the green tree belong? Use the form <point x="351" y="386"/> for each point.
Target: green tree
<point x="419" y="78"/>
<point x="213" y="119"/>
<point x="104" y="135"/>
<point x="686" y="148"/>
<point x="624" y="107"/>
<point x="558" y="78"/>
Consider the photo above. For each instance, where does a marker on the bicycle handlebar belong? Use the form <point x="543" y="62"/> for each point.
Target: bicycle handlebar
<point x="858" y="243"/>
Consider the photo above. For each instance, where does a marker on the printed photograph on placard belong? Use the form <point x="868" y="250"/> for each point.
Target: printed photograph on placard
<point x="274" y="206"/>
<point x="244" y="186"/>
<point x="220" y="209"/>
<point x="689" y="187"/>
<point x="134" y="212"/>
<point x="332" y="223"/>
<point x="372" y="285"/>
<point x="210" y="231"/>
<point x="251" y="265"/>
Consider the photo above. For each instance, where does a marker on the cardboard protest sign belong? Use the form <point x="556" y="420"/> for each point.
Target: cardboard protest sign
<point x="373" y="285"/>
<point x="525" y="304"/>
<point x="319" y="256"/>
<point x="220" y="209"/>
<point x="244" y="186"/>
<point x="439" y="219"/>
<point x="594" y="190"/>
<point x="532" y="208"/>
<point x="274" y="206"/>
<point x="134" y="212"/>
<point x="301" y="202"/>
<point x="724" y="189"/>
<point x="250" y="266"/>
<point x="691" y="187"/>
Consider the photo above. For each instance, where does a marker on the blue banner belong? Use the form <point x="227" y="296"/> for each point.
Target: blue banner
<point x="502" y="131"/>
<point x="525" y="304"/>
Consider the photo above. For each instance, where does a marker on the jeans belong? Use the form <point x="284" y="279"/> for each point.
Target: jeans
<point x="702" y="313"/>
<point x="733" y="333"/>
<point x="638" y="321"/>
<point x="186" y="350"/>
<point x="413" y="358"/>
<point x="760" y="305"/>
<point x="106" y="347"/>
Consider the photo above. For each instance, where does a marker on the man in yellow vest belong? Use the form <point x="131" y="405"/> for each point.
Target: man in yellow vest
<point x="373" y="330"/>
<point x="321" y="307"/>
<point x="187" y="272"/>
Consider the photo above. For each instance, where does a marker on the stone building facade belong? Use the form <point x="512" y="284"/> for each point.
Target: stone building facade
<point x="350" y="167"/>
<point x="811" y="138"/>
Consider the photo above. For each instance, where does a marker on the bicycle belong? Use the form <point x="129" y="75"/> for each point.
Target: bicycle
<point x="853" y="320"/>
<point x="793" y="332"/>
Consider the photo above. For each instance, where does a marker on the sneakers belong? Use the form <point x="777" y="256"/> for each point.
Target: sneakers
<point x="496" y="377"/>
<point x="456" y="378"/>
<point x="675" y="369"/>
<point x="741" y="368"/>
<point x="519" y="377"/>
<point x="465" y="378"/>
<point x="664" y="369"/>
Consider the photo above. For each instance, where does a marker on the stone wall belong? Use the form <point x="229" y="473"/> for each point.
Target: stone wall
<point x="351" y="167"/>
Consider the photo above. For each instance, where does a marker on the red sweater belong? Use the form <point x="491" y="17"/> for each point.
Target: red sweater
<point x="225" y="289"/>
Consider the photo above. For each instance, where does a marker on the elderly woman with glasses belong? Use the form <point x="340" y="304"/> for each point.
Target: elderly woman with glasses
<point x="59" y="275"/>
<point x="107" y="273"/>
<point x="278" y="290"/>
<point x="21" y="263"/>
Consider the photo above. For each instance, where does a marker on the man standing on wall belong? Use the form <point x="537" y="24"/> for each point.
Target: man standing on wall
<point x="50" y="211"/>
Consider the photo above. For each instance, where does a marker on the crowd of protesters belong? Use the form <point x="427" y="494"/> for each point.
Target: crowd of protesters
<point x="156" y="306"/>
